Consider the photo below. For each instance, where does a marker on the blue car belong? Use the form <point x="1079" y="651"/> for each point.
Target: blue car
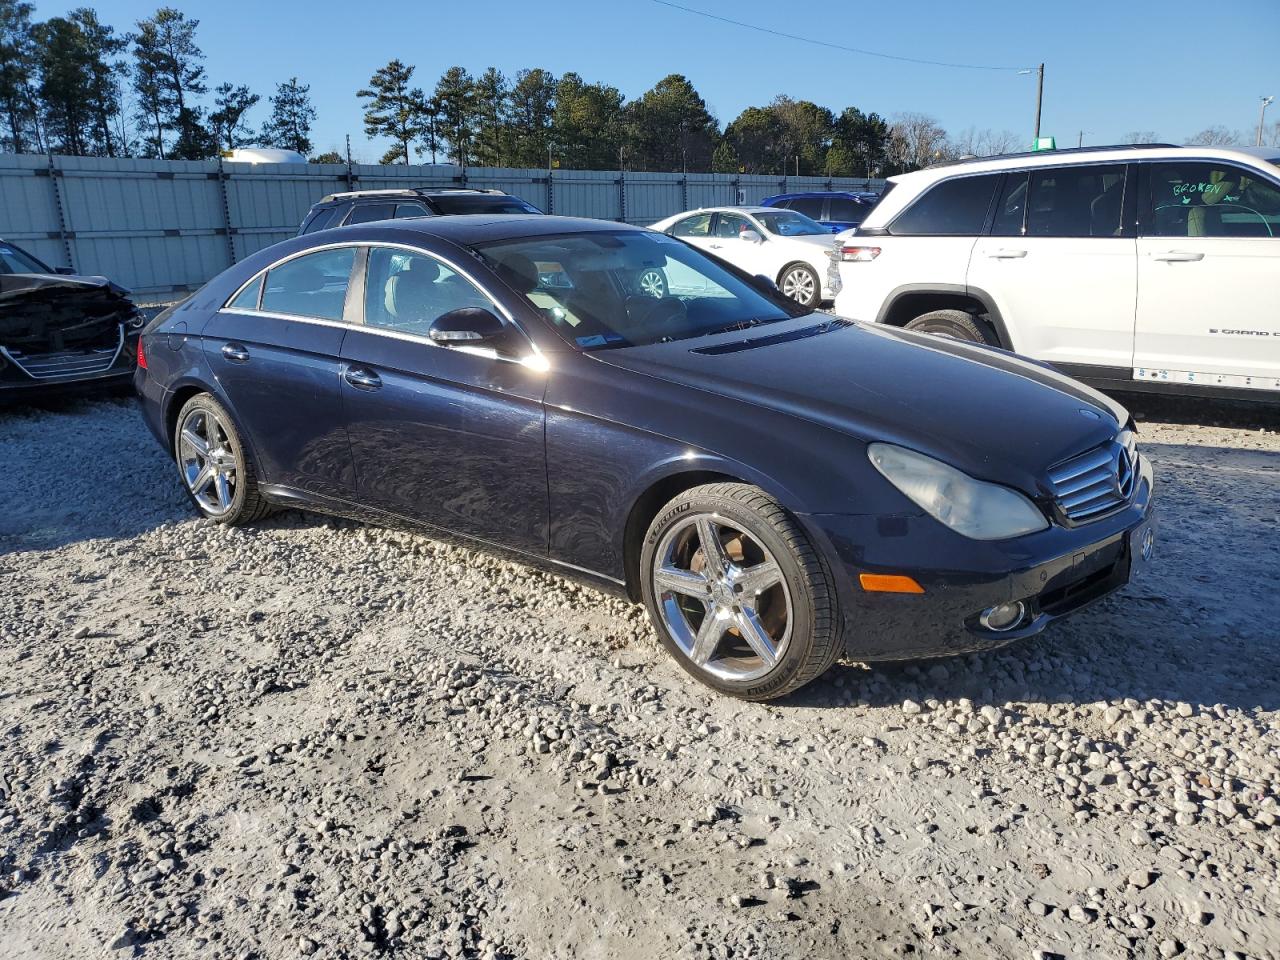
<point x="835" y="209"/>
<point x="778" y="486"/>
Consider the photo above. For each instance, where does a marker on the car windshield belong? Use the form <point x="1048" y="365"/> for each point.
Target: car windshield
<point x="13" y="260"/>
<point x="788" y="223"/>
<point x="472" y="204"/>
<point x="608" y="289"/>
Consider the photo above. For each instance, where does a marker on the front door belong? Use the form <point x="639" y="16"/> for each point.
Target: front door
<point x="728" y="243"/>
<point x="450" y="437"/>
<point x="1060" y="265"/>
<point x="1209" y="276"/>
<point x="275" y="349"/>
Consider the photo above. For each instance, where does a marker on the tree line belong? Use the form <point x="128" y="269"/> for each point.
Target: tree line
<point x="73" y="85"/>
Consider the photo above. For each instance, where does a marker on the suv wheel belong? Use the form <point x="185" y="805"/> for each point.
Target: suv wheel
<point x="739" y="596"/>
<point x="956" y="324"/>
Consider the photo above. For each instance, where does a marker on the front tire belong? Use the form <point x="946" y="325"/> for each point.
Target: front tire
<point x="956" y="324"/>
<point x="216" y="469"/>
<point x="800" y="282"/>
<point x="738" y="594"/>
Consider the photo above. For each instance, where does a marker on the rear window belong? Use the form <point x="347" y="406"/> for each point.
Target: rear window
<point x="473" y="204"/>
<point x="321" y="219"/>
<point x="952" y="208"/>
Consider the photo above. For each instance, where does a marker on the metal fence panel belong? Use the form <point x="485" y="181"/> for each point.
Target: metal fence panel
<point x="162" y="225"/>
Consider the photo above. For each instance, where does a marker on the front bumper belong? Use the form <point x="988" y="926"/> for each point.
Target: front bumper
<point x="68" y="372"/>
<point x="1055" y="573"/>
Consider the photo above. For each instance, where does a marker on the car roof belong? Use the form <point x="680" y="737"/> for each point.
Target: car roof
<point x="470" y="228"/>
<point x="1075" y="155"/>
<point x="852" y="194"/>
<point x="410" y="192"/>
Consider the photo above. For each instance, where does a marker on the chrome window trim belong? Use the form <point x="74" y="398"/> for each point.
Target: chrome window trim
<point x="383" y="331"/>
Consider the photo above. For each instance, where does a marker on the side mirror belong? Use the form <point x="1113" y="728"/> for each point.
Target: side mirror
<point x="767" y="283"/>
<point x="467" y="327"/>
<point x="751" y="236"/>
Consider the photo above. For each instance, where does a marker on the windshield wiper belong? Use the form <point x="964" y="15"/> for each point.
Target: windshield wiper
<point x="744" y="325"/>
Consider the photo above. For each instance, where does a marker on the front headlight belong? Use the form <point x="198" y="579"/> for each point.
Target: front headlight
<point x="980" y="510"/>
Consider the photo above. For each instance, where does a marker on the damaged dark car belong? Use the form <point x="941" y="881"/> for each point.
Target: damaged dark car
<point x="60" y="332"/>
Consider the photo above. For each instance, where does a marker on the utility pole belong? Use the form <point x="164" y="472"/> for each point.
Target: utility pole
<point x="1080" y="139"/>
<point x="1039" y="97"/>
<point x="1262" y="117"/>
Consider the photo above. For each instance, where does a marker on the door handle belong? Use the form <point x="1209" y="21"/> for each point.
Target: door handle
<point x="235" y="353"/>
<point x="1007" y="254"/>
<point x="362" y="378"/>
<point x="1177" y="256"/>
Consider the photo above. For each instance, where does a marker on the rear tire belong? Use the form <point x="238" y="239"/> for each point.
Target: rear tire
<point x="215" y="467"/>
<point x="772" y="592"/>
<point x="956" y="324"/>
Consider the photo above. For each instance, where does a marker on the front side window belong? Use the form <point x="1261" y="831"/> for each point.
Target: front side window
<point x="696" y="226"/>
<point x="788" y="223"/>
<point x="13" y="260"/>
<point x="596" y="288"/>
<point x="811" y="207"/>
<point x="1076" y="202"/>
<point x="1211" y="200"/>
<point x="730" y="226"/>
<point x="314" y="285"/>
<point x="468" y="203"/>
<point x="952" y="208"/>
<point x="369" y="212"/>
<point x="409" y="291"/>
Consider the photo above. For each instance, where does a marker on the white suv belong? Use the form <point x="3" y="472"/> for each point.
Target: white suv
<point x="1152" y="267"/>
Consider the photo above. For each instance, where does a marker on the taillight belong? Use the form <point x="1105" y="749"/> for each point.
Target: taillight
<point x="852" y="254"/>
<point x="142" y="356"/>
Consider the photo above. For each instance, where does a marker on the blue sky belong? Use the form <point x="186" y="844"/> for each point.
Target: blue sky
<point x="1168" y="66"/>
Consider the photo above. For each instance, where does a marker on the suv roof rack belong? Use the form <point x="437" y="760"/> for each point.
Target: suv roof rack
<point x="1050" y="153"/>
<point x="407" y="192"/>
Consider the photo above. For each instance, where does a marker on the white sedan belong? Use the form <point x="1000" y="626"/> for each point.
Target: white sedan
<point x="787" y="247"/>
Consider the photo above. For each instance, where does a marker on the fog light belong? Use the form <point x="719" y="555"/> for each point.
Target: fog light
<point x="1003" y="616"/>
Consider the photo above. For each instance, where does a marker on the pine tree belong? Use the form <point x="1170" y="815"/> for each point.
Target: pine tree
<point x="395" y="110"/>
<point x="78" y="93"/>
<point x="228" y="119"/>
<point x="455" y="94"/>
<point x="168" y="78"/>
<point x="533" y="97"/>
<point x="292" y="115"/>
<point x="18" y="59"/>
<point x="492" y="96"/>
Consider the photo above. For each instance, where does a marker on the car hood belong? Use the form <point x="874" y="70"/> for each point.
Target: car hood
<point x="988" y="412"/>
<point x="42" y="312"/>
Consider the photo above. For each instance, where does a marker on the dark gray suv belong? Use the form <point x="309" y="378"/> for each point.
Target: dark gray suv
<point x="365" y="206"/>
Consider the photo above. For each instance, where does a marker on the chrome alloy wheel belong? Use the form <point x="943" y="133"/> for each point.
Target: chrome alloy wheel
<point x="798" y="285"/>
<point x="723" y="598"/>
<point x="652" y="283"/>
<point x="207" y="462"/>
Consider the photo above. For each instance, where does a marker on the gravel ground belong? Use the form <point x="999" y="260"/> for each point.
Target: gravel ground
<point x="315" y="738"/>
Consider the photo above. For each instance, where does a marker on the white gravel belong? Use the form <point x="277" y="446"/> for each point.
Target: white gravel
<point x="315" y="738"/>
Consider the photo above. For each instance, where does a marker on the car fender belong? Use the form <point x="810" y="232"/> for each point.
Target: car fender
<point x="988" y="302"/>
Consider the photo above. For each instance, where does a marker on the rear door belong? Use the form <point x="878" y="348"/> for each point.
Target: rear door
<point x="274" y="350"/>
<point x="695" y="230"/>
<point x="1060" y="263"/>
<point x="450" y="437"/>
<point x="1209" y="276"/>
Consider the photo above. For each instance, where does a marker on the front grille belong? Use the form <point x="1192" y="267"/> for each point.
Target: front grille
<point x="1097" y="482"/>
<point x="67" y="364"/>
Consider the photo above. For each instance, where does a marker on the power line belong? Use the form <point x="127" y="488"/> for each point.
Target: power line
<point x="832" y="46"/>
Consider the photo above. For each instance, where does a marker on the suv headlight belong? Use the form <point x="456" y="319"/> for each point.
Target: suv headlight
<point x="980" y="510"/>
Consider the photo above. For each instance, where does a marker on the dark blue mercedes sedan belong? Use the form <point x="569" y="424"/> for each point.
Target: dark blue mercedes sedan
<point x="779" y="487"/>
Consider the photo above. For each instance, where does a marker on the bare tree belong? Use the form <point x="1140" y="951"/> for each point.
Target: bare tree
<point x="984" y="143"/>
<point x="917" y="140"/>
<point x="1140" y="136"/>
<point x="1215" y="136"/>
